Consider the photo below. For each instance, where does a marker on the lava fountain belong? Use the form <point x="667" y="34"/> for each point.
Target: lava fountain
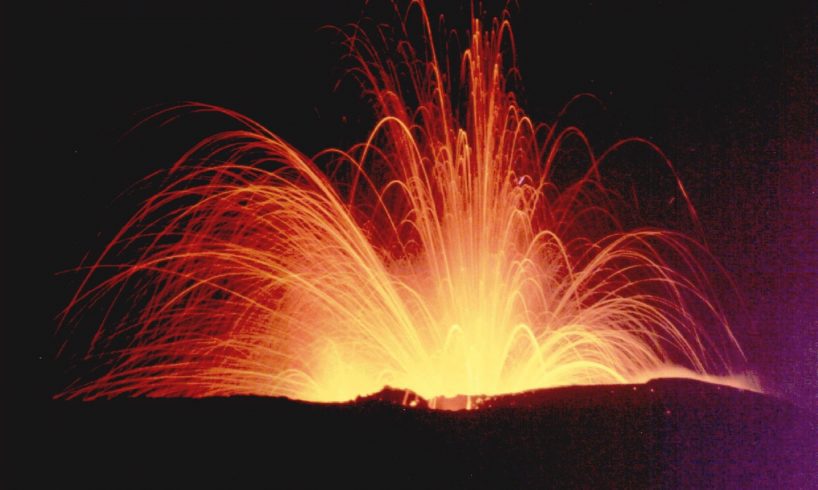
<point x="439" y="255"/>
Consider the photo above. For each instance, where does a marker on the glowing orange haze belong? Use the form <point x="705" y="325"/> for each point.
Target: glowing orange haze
<point x="437" y="256"/>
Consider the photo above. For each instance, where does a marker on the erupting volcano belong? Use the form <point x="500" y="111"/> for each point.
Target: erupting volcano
<point x="441" y="255"/>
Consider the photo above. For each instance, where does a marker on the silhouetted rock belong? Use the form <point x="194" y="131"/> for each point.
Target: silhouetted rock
<point x="666" y="433"/>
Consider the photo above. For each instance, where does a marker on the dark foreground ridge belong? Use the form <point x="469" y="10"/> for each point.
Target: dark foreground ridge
<point x="668" y="433"/>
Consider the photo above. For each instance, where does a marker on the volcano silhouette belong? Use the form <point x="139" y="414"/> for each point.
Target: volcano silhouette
<point x="667" y="432"/>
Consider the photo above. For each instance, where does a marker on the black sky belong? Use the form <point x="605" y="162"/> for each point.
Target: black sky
<point x="727" y="91"/>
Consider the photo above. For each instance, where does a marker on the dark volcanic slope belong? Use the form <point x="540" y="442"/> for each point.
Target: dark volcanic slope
<point x="667" y="433"/>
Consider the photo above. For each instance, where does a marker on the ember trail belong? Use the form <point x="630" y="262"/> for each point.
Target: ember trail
<point x="438" y="255"/>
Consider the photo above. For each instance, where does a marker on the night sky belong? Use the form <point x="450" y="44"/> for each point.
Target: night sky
<point x="728" y="92"/>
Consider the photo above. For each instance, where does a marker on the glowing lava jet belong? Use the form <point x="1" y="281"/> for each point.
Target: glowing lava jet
<point x="439" y="256"/>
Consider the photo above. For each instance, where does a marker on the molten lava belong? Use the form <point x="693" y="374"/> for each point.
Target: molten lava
<point x="439" y="255"/>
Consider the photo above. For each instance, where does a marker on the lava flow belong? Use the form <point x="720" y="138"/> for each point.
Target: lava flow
<point x="440" y="255"/>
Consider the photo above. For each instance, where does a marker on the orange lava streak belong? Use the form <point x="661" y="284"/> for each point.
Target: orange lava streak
<point x="437" y="256"/>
